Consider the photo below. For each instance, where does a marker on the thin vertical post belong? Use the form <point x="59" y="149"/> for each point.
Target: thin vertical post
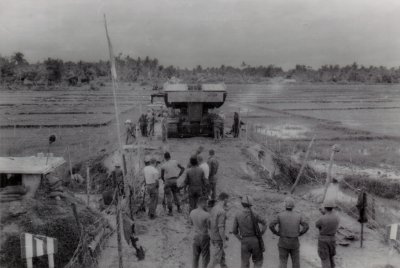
<point x="69" y="161"/>
<point x="362" y="235"/>
<point x="88" y="184"/>
<point x="119" y="237"/>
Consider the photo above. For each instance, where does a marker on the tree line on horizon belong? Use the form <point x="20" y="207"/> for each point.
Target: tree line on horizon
<point x="16" y="69"/>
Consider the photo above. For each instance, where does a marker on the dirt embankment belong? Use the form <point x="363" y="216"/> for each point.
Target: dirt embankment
<point x="168" y="239"/>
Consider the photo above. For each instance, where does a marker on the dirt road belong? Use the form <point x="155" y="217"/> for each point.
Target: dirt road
<point x="167" y="239"/>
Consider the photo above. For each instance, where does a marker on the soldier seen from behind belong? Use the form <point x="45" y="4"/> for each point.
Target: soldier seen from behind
<point x="200" y="219"/>
<point x="195" y="182"/>
<point x="171" y="170"/>
<point x="212" y="179"/>
<point x="327" y="224"/>
<point x="217" y="231"/>
<point x="151" y="176"/>
<point x="290" y="225"/>
<point x="246" y="228"/>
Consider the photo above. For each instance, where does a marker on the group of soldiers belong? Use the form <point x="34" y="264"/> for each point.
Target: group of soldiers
<point x="249" y="227"/>
<point x="208" y="216"/>
<point x="200" y="180"/>
<point x="146" y="124"/>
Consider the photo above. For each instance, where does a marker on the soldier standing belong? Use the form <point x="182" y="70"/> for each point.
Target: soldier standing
<point x="212" y="180"/>
<point x="291" y="226"/>
<point x="130" y="132"/>
<point x="244" y="225"/>
<point x="151" y="176"/>
<point x="200" y="219"/>
<point x="117" y="177"/>
<point x="195" y="182"/>
<point x="217" y="231"/>
<point x="327" y="225"/>
<point x="143" y="125"/>
<point x="171" y="170"/>
<point x="164" y="127"/>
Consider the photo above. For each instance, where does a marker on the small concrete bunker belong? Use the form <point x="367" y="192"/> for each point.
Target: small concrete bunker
<point x="27" y="171"/>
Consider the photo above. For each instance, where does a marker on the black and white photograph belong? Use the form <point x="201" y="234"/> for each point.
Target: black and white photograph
<point x="200" y="133"/>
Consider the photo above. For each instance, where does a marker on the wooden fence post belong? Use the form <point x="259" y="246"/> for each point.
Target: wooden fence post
<point x="303" y="165"/>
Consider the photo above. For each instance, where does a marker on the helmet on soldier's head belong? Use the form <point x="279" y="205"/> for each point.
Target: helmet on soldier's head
<point x="147" y="158"/>
<point x="289" y="202"/>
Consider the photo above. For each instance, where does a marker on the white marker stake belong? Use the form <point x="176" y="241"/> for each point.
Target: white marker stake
<point x="51" y="260"/>
<point x="29" y="263"/>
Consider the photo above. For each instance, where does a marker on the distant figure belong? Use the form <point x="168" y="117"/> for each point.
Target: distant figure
<point x="212" y="179"/>
<point x="218" y="127"/>
<point x="327" y="225"/>
<point x="130" y="132"/>
<point x="200" y="219"/>
<point x="143" y="125"/>
<point x="150" y="123"/>
<point x="195" y="181"/>
<point x="164" y="127"/>
<point x="151" y="176"/>
<point x="171" y="170"/>
<point x="291" y="225"/>
<point x="217" y="231"/>
<point x="244" y="229"/>
<point x="236" y="125"/>
<point x="117" y="179"/>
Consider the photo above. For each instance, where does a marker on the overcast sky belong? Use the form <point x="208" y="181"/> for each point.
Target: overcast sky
<point x="207" y="32"/>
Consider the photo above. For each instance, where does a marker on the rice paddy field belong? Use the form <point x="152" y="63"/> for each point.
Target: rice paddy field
<point x="363" y="119"/>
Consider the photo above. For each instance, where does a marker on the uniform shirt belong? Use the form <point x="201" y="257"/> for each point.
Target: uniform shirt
<point x="195" y="178"/>
<point x="204" y="166"/>
<point x="328" y="224"/>
<point x="217" y="220"/>
<point x="200" y="220"/>
<point x="170" y="169"/>
<point x="243" y="224"/>
<point x="151" y="174"/>
<point x="289" y="223"/>
<point x="213" y="164"/>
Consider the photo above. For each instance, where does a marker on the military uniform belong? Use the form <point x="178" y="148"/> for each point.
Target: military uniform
<point x="171" y="173"/>
<point x="327" y="225"/>
<point x="243" y="227"/>
<point x="289" y="223"/>
<point x="217" y="221"/>
<point x="201" y="240"/>
<point x="212" y="180"/>
<point x="196" y="183"/>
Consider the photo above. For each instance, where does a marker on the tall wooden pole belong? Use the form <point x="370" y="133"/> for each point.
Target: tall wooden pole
<point x="88" y="184"/>
<point x="119" y="237"/>
<point x="335" y="149"/>
<point x="303" y="165"/>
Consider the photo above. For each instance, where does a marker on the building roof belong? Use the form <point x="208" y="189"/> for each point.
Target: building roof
<point x="29" y="164"/>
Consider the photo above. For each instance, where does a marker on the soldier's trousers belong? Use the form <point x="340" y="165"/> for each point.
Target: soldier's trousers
<point x="327" y="251"/>
<point x="201" y="247"/>
<point x="171" y="192"/>
<point x="194" y="195"/>
<point x="284" y="256"/>
<point x="217" y="254"/>
<point x="251" y="248"/>
<point x="152" y="192"/>
<point x="213" y="187"/>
